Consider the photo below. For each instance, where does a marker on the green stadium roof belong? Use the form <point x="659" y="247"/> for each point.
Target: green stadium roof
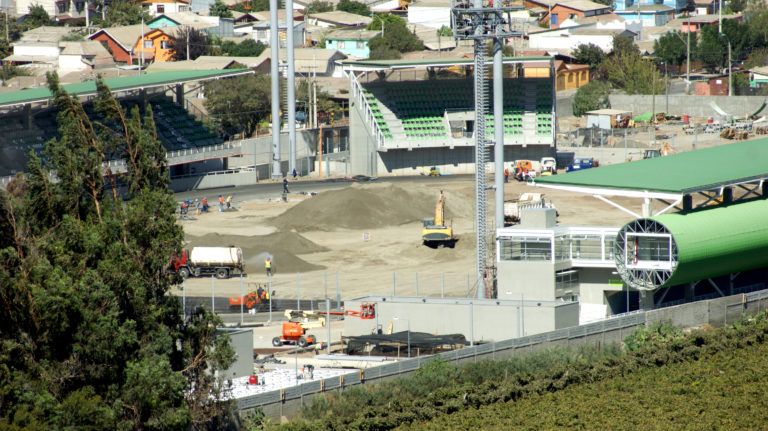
<point x="676" y="174"/>
<point x="123" y="83"/>
<point x="440" y="62"/>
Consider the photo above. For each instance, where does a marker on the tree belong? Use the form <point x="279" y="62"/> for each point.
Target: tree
<point x="626" y="69"/>
<point x="122" y="12"/>
<point x="240" y="104"/>
<point x="196" y="42"/>
<point x="712" y="49"/>
<point x="325" y="105"/>
<point x="252" y="6"/>
<point x="590" y="54"/>
<point x="445" y="31"/>
<point x="37" y="17"/>
<point x="671" y="48"/>
<point x="355" y="7"/>
<point x="591" y="97"/>
<point x="91" y="338"/>
<point x="397" y="37"/>
<point x="737" y="6"/>
<point x="246" y="48"/>
<point x="319" y="6"/>
<point x="218" y="8"/>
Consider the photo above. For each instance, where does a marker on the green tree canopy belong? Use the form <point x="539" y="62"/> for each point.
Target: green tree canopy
<point x="591" y="97"/>
<point x="91" y="338"/>
<point x="240" y="104"/>
<point x="627" y="70"/>
<point x="37" y="17"/>
<point x="712" y="48"/>
<point x="671" y="48"/>
<point x="197" y="42"/>
<point x="318" y="6"/>
<point x="589" y="54"/>
<point x="218" y="8"/>
<point x="246" y="48"/>
<point x="397" y="37"/>
<point x="353" y="6"/>
<point x="122" y="12"/>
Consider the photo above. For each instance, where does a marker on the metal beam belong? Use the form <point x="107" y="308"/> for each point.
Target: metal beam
<point x="611" y="192"/>
<point x="613" y="204"/>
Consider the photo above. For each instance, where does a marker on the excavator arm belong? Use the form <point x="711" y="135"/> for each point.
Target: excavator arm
<point x="440" y="210"/>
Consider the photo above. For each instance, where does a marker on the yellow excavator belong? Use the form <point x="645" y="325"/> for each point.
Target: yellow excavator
<point x="435" y="232"/>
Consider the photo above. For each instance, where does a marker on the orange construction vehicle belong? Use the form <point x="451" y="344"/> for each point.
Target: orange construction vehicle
<point x="258" y="297"/>
<point x="300" y="322"/>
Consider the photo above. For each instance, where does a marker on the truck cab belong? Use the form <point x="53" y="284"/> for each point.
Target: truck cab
<point x="579" y="164"/>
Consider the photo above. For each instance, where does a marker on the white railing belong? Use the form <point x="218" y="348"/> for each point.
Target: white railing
<point x="370" y="119"/>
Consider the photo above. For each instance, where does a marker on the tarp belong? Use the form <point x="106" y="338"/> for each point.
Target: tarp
<point x="644" y="117"/>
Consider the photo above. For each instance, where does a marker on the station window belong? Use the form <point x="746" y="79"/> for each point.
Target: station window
<point x="530" y="248"/>
<point x="567" y="283"/>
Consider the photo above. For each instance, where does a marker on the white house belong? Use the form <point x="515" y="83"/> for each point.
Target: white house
<point x="83" y="55"/>
<point x="430" y="13"/>
<point x="572" y="37"/>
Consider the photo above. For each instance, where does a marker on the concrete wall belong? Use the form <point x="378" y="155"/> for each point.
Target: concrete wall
<point x="716" y="312"/>
<point x="242" y="343"/>
<point x="697" y="106"/>
<point x="490" y="319"/>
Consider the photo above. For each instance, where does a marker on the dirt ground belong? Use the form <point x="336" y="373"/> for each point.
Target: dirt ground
<point x="365" y="233"/>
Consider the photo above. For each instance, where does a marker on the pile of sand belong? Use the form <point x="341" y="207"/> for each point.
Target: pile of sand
<point x="364" y="206"/>
<point x="281" y="247"/>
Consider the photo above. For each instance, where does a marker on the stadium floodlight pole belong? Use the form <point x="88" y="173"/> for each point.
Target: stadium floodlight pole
<point x="274" y="42"/>
<point x="291" y="83"/>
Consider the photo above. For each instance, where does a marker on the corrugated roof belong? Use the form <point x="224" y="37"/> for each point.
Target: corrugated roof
<point x="718" y="240"/>
<point x="582" y="5"/>
<point x="341" y="18"/>
<point x="126" y="35"/>
<point x="677" y="173"/>
<point x="121" y="83"/>
<point x="352" y="34"/>
<point x="448" y="61"/>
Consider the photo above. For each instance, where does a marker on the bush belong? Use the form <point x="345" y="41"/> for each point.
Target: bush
<point x="590" y="97"/>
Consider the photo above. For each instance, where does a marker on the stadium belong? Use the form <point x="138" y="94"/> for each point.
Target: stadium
<point x="408" y="116"/>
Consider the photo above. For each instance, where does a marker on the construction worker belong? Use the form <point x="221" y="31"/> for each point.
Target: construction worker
<point x="506" y="175"/>
<point x="221" y="203"/>
<point x="268" y="267"/>
<point x="229" y="201"/>
<point x="285" y="185"/>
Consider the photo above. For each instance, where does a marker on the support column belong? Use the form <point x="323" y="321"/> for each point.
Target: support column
<point x="687" y="202"/>
<point x="27" y="116"/>
<point x="180" y="94"/>
<point x="727" y="195"/>
<point x="646" y="300"/>
<point x="647" y="208"/>
<point x="498" y="129"/>
<point x="274" y="46"/>
<point x="291" y="83"/>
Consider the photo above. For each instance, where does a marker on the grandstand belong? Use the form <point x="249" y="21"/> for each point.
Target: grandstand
<point x="30" y="120"/>
<point x="431" y="121"/>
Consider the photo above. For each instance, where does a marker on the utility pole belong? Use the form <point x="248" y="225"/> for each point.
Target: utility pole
<point x="688" y="60"/>
<point x="189" y="32"/>
<point x="291" y="83"/>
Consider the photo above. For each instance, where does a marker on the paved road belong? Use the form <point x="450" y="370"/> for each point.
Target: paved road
<point x="274" y="189"/>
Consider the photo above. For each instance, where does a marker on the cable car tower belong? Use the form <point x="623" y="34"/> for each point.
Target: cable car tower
<point x="480" y="21"/>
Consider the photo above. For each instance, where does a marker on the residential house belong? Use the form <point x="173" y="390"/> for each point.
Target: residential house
<point x="261" y="32"/>
<point x="706" y="7"/>
<point x="432" y="41"/>
<point x="70" y="11"/>
<point x="155" y="45"/>
<point x="208" y="62"/>
<point x="572" y="9"/>
<point x="430" y="13"/>
<point x="158" y="7"/>
<point x="242" y="17"/>
<point x="39" y="47"/>
<point x="758" y="77"/>
<point x="717" y="86"/>
<point x="351" y="42"/>
<point x="572" y="37"/>
<point x="570" y="76"/>
<point x="121" y="40"/>
<point x="183" y="18"/>
<point x="312" y="61"/>
<point x="335" y="19"/>
<point x="83" y="55"/>
<point x="695" y="23"/>
<point x="649" y="15"/>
